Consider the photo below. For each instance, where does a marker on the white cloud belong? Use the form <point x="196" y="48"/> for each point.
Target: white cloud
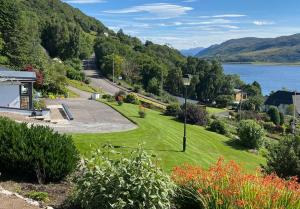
<point x="160" y="10"/>
<point x="84" y="1"/>
<point x="261" y="23"/>
<point x="229" y="15"/>
<point x="223" y="16"/>
<point x="189" y="1"/>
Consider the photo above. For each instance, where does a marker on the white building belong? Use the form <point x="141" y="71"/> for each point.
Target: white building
<point x="16" y="89"/>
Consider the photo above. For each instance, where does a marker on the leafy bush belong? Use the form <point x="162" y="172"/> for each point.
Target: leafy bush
<point x="218" y="127"/>
<point x="227" y="186"/>
<point x="274" y="114"/>
<point x="108" y="97"/>
<point x="269" y="126"/>
<point x="172" y="110"/>
<point x="120" y="95"/>
<point x="39" y="104"/>
<point x="132" y="182"/>
<point x="131" y="98"/>
<point x="284" y="157"/>
<point x="38" y="196"/>
<point x="195" y="114"/>
<point x="281" y="116"/>
<point x="36" y="152"/>
<point x="224" y="100"/>
<point x="251" y="134"/>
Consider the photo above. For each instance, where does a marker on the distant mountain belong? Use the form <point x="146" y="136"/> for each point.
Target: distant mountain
<point x="191" y="52"/>
<point x="281" y="49"/>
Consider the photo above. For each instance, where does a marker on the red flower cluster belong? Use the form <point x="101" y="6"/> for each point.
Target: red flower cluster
<point x="225" y="185"/>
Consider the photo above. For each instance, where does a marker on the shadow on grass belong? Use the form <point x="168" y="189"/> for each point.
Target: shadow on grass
<point x="235" y="143"/>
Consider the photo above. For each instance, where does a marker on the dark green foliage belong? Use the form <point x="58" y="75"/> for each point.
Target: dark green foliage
<point x="223" y="101"/>
<point x="142" y="113"/>
<point x="250" y="133"/>
<point x="36" y="153"/>
<point x="195" y="114"/>
<point x="281" y="115"/>
<point x="172" y="110"/>
<point x="218" y="127"/>
<point x="131" y="98"/>
<point x="254" y="103"/>
<point x="284" y="157"/>
<point x="274" y="114"/>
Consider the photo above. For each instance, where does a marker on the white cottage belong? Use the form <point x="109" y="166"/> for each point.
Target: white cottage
<point x="16" y="89"/>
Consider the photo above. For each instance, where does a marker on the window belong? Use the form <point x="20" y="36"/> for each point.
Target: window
<point x="25" y="89"/>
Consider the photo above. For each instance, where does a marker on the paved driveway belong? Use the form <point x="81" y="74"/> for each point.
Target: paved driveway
<point x="90" y="116"/>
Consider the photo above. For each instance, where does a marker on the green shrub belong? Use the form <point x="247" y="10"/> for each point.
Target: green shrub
<point x="274" y="115"/>
<point x="195" y="114"/>
<point x="132" y="182"/>
<point x="269" y="126"/>
<point x="281" y="116"/>
<point x="131" y="98"/>
<point x="142" y="113"/>
<point x="218" y="127"/>
<point x="38" y="196"/>
<point x="284" y="158"/>
<point x="223" y="101"/>
<point x="172" y="110"/>
<point x="39" y="104"/>
<point x="36" y="152"/>
<point x="251" y="134"/>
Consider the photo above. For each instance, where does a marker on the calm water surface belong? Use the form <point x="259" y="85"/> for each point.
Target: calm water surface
<point x="271" y="77"/>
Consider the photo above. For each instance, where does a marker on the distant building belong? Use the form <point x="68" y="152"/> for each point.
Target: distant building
<point x="239" y="96"/>
<point x="16" y="89"/>
<point x="282" y="100"/>
<point x="296" y="100"/>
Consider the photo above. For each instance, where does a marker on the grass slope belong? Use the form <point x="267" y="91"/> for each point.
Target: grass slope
<point x="162" y="136"/>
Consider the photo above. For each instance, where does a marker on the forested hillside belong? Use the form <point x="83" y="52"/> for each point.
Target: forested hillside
<point x="34" y="32"/>
<point x="281" y="49"/>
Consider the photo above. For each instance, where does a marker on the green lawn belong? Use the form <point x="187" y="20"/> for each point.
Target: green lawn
<point x="162" y="136"/>
<point x="83" y="86"/>
<point x="213" y="110"/>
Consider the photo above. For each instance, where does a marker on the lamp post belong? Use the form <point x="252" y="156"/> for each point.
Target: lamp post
<point x="186" y="82"/>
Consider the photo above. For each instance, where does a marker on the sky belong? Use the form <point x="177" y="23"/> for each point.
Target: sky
<point x="185" y="24"/>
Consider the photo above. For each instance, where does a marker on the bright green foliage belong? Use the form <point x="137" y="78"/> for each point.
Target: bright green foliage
<point x="172" y="110"/>
<point x="218" y="127"/>
<point x="36" y="153"/>
<point x="38" y="196"/>
<point x="274" y="114"/>
<point x="251" y="134"/>
<point x="163" y="135"/>
<point x="132" y="182"/>
<point x="284" y="157"/>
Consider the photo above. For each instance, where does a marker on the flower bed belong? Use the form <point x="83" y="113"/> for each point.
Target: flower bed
<point x="225" y="185"/>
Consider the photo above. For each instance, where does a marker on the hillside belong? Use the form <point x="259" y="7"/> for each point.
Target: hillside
<point x="191" y="52"/>
<point x="281" y="49"/>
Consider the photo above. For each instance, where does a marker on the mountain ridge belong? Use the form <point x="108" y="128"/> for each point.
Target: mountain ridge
<point x="252" y="49"/>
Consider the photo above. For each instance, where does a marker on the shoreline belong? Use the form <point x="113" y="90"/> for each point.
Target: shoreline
<point x="263" y="63"/>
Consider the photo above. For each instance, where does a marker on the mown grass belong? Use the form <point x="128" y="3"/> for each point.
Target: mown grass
<point x="162" y="136"/>
<point x="84" y="87"/>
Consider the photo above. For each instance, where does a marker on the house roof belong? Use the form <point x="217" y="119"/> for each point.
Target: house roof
<point x="16" y="75"/>
<point x="281" y="97"/>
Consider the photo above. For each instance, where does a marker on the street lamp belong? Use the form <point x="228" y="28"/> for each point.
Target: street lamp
<point x="186" y="82"/>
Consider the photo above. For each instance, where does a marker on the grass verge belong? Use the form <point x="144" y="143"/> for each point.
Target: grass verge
<point x="162" y="136"/>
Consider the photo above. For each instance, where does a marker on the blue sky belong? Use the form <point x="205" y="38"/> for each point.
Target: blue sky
<point x="195" y="23"/>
